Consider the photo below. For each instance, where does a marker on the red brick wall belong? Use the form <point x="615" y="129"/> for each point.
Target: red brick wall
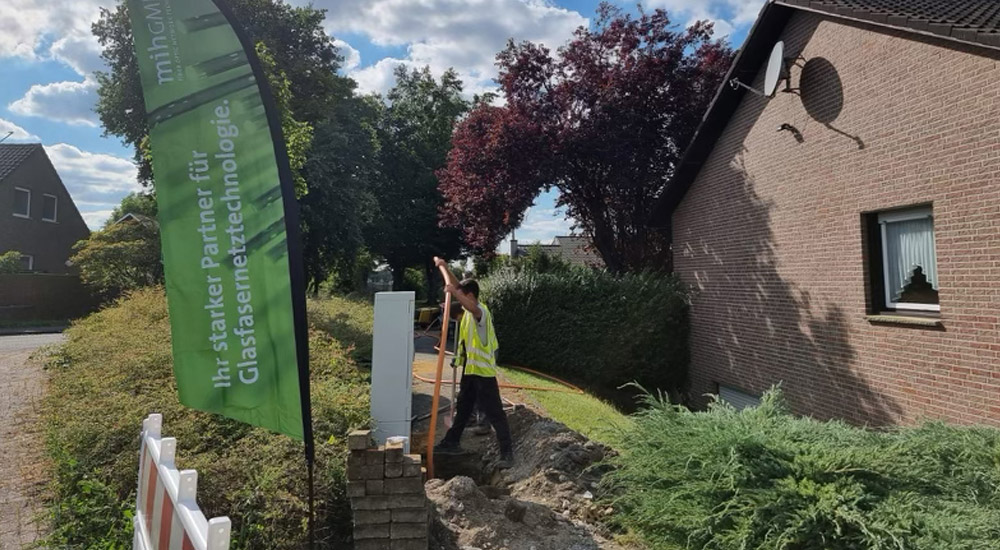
<point x="770" y="234"/>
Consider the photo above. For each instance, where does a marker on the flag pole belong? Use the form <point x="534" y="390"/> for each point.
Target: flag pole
<point x="296" y="267"/>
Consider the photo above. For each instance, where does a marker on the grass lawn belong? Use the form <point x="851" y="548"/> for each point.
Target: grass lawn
<point x="584" y="413"/>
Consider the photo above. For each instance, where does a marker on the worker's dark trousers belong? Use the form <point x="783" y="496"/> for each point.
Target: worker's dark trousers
<point x="484" y="391"/>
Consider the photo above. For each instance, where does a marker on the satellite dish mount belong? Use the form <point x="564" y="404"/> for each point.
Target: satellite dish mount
<point x="777" y="70"/>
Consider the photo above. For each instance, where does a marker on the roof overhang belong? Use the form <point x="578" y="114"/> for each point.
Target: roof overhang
<point x="766" y="30"/>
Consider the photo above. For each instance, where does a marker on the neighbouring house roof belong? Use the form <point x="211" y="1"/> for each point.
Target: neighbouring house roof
<point x="138" y="218"/>
<point x="970" y="22"/>
<point x="13" y="155"/>
<point x="572" y="248"/>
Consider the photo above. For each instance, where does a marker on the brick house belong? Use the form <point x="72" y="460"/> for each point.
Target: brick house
<point x="37" y="215"/>
<point x="843" y="237"/>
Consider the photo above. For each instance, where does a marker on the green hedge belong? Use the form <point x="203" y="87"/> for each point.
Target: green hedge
<point x="763" y="479"/>
<point x="116" y="367"/>
<point x="592" y="327"/>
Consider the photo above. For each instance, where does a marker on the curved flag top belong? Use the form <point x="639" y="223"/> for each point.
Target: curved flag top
<point x="227" y="215"/>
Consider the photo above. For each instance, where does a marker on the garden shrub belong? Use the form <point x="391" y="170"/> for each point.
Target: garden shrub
<point x="115" y="369"/>
<point x="761" y="478"/>
<point x="592" y="327"/>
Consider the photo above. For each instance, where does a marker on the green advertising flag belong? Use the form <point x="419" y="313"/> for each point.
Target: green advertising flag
<point x="227" y="215"/>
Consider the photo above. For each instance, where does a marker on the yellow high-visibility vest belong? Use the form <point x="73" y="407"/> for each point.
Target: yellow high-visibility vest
<point x="480" y="357"/>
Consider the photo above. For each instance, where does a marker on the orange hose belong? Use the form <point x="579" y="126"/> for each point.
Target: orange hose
<point x="570" y="388"/>
<point x="437" y="384"/>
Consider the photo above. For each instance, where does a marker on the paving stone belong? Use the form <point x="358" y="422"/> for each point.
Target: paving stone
<point x="359" y="440"/>
<point x="393" y="469"/>
<point x="409" y="530"/>
<point x="404" y="486"/>
<point x="374" y="456"/>
<point x="355" y="489"/>
<point x="406" y="544"/>
<point x="409" y="515"/>
<point x="372" y="517"/>
<point x="377" y="531"/>
<point x="407" y="501"/>
<point x="371" y="503"/>
<point x="376" y="544"/>
<point x="374" y="487"/>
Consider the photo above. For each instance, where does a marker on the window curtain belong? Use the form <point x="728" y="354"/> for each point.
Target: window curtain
<point x="910" y="244"/>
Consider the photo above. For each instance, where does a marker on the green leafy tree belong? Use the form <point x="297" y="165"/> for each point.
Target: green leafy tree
<point x="10" y="262"/>
<point x="316" y="104"/>
<point x="294" y="40"/>
<point x="415" y="136"/>
<point x="341" y="169"/>
<point x="298" y="134"/>
<point x="121" y="257"/>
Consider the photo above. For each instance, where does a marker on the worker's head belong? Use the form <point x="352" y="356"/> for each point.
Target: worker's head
<point x="470" y="286"/>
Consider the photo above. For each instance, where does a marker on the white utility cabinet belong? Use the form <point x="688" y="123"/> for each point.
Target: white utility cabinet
<point x="392" y="365"/>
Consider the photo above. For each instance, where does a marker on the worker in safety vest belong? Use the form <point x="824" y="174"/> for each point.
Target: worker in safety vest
<point x="478" y="419"/>
<point x="479" y="382"/>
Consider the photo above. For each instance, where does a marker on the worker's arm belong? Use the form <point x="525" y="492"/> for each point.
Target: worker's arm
<point x="451" y="285"/>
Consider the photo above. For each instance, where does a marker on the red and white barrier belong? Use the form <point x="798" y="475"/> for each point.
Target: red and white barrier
<point x="167" y="516"/>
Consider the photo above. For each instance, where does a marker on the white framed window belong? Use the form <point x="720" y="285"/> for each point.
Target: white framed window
<point x="50" y="208"/>
<point x="22" y="202"/>
<point x="27" y="262"/>
<point x="909" y="260"/>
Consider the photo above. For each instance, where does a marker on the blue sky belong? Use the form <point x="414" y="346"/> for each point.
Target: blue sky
<point x="48" y="56"/>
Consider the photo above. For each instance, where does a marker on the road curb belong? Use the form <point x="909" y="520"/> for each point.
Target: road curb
<point x="25" y="331"/>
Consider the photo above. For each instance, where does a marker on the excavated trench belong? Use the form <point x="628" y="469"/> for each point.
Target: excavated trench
<point x="545" y="502"/>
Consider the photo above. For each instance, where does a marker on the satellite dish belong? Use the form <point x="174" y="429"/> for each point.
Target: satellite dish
<point x="775" y="73"/>
<point x="775" y="68"/>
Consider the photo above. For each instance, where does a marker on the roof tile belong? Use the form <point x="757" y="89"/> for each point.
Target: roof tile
<point x="937" y="16"/>
<point x="13" y="155"/>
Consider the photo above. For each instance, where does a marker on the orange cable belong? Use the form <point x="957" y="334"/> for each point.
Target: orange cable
<point x="437" y="384"/>
<point x="570" y="388"/>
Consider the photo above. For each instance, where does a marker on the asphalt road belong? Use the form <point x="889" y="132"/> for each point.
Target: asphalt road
<point x="21" y="386"/>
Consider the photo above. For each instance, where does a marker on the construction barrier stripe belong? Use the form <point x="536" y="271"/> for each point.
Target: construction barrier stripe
<point x="167" y="516"/>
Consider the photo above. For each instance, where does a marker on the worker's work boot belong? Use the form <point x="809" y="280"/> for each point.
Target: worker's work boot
<point x="506" y="461"/>
<point x="448" y="448"/>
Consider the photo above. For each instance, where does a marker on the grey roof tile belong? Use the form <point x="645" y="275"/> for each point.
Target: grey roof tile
<point x="973" y="17"/>
<point x="13" y="155"/>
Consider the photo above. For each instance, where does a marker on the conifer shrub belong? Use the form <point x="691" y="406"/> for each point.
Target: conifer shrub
<point x="763" y="479"/>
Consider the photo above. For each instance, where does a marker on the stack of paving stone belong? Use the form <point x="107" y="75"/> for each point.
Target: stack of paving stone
<point x="386" y="488"/>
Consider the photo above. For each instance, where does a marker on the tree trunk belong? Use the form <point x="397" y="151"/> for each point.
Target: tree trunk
<point x="604" y="243"/>
<point x="431" y="274"/>
<point x="398" y="269"/>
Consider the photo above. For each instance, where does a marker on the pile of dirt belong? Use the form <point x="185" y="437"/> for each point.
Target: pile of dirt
<point x="546" y="501"/>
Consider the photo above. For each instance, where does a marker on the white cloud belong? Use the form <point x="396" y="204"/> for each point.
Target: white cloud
<point x="69" y="102"/>
<point x="96" y="181"/>
<point x="57" y="29"/>
<point x="82" y="53"/>
<point x="95" y="218"/>
<point x="726" y="14"/>
<point x="378" y="77"/>
<point x="464" y="34"/>
<point x="543" y="224"/>
<point x="352" y="57"/>
<point x="19" y="134"/>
